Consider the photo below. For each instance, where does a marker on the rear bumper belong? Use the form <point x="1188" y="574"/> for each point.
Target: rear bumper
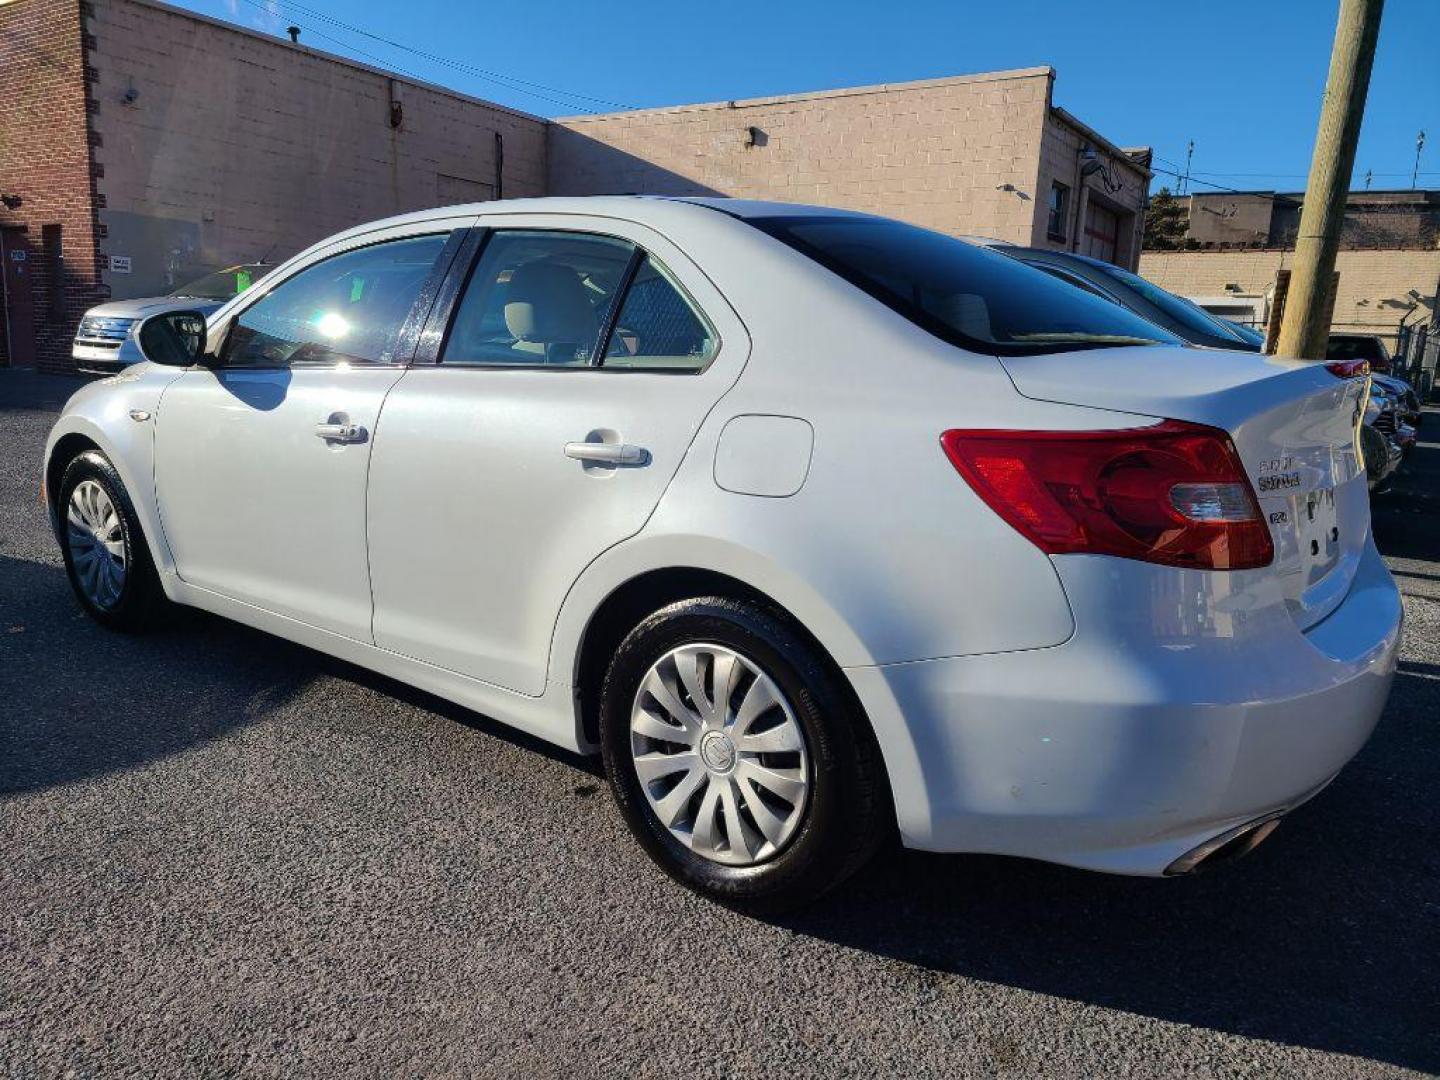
<point x="1144" y="736"/>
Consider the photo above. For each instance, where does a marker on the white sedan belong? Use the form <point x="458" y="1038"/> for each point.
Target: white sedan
<point x="818" y="526"/>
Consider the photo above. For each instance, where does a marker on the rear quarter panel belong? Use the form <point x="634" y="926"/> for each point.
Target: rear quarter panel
<point x="884" y="552"/>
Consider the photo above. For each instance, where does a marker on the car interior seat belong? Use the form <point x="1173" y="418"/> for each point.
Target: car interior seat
<point x="548" y="311"/>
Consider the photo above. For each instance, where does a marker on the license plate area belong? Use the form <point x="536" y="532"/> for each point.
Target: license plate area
<point x="1318" y="532"/>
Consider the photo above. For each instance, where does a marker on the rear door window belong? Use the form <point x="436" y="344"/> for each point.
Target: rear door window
<point x="543" y="298"/>
<point x="538" y="299"/>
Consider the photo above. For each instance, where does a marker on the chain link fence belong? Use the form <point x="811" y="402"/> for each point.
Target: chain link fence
<point x="1418" y="353"/>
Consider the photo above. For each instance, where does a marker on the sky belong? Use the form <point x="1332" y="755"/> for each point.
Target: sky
<point x="1242" y="80"/>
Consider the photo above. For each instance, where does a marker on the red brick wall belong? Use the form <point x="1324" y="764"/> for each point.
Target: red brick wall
<point x="46" y="158"/>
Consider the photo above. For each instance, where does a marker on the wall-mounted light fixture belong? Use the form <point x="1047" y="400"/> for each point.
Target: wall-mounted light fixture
<point x="12" y="202"/>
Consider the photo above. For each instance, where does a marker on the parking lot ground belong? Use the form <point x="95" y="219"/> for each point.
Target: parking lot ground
<point x="223" y="854"/>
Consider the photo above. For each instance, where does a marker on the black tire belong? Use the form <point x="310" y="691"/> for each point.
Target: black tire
<point x="847" y="814"/>
<point x="141" y="600"/>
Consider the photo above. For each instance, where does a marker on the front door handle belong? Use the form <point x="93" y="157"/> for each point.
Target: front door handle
<point x="607" y="453"/>
<point x="341" y="433"/>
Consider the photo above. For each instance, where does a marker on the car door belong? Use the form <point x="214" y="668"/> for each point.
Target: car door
<point x="577" y="365"/>
<point x="261" y="458"/>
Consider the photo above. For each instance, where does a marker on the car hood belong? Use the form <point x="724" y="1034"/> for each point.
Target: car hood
<point x="1396" y="386"/>
<point x="144" y="306"/>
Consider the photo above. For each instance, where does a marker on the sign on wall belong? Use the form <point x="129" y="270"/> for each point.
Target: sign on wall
<point x="120" y="264"/>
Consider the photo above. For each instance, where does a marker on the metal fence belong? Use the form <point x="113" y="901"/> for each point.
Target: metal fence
<point x="1418" y="355"/>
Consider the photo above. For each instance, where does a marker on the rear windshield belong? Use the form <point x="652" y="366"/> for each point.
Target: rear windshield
<point x="966" y="295"/>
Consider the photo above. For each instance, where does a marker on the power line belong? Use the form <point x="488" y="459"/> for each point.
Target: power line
<point x="554" y="95"/>
<point x="1207" y="183"/>
<point x="1277" y="175"/>
<point x="1195" y="179"/>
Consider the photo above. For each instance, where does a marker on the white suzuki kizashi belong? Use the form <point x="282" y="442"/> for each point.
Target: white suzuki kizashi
<point x="817" y="525"/>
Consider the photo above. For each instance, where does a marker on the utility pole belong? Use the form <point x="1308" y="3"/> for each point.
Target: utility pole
<point x="1304" y="328"/>
<point x="1189" y="153"/>
<point x="1419" y="145"/>
<point x="1369" y="176"/>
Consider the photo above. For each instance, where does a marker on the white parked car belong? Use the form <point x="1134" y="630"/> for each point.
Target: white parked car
<point x="818" y="526"/>
<point x="106" y="343"/>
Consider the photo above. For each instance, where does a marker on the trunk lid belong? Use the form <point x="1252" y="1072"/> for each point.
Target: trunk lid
<point x="1293" y="423"/>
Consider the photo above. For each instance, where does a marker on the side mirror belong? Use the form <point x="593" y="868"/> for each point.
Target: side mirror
<point x="174" y="338"/>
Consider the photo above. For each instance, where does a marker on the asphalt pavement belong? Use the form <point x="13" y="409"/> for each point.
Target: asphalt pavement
<point x="222" y="854"/>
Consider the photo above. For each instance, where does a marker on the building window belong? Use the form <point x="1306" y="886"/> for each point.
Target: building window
<point x="1059" y="211"/>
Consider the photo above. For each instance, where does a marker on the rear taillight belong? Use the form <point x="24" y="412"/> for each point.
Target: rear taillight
<point x="1348" y="369"/>
<point x="1174" y="493"/>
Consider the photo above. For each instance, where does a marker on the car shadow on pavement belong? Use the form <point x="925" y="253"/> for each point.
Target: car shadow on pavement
<point x="78" y="701"/>
<point x="110" y="702"/>
<point x="1327" y="937"/>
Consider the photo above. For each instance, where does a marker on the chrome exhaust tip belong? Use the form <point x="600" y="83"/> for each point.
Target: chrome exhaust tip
<point x="1228" y="845"/>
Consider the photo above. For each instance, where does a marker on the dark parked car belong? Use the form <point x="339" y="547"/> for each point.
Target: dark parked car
<point x="1386" y="432"/>
<point x="1146" y="299"/>
<point x="1360" y="347"/>
<point x="1409" y="401"/>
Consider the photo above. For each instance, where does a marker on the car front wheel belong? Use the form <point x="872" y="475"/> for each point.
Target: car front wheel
<point x="736" y="757"/>
<point x="105" y="554"/>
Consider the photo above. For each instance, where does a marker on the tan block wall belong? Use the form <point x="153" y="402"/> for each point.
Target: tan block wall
<point x="1059" y="160"/>
<point x="935" y="153"/>
<point x="238" y="145"/>
<point x="1371" y="296"/>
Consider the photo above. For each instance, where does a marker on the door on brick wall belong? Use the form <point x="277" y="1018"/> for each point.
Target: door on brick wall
<point x="19" y="300"/>
<point x="1102" y="232"/>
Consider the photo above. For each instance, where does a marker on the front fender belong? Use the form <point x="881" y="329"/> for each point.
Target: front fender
<point x="101" y="413"/>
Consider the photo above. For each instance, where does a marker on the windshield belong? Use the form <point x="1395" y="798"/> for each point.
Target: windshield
<point x="223" y="284"/>
<point x="966" y="295"/>
<point x="1189" y="315"/>
<point x="1245" y="333"/>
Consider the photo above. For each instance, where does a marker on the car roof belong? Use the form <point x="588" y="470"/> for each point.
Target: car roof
<point x="1060" y="256"/>
<point x="646" y="209"/>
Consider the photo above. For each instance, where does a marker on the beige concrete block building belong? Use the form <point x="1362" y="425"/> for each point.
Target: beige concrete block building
<point x="986" y="155"/>
<point x="219" y="145"/>
<point x="143" y="145"/>
<point x="1378" y="289"/>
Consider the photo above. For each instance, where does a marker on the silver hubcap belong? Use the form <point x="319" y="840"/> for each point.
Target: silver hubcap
<point x="719" y="754"/>
<point x="97" y="544"/>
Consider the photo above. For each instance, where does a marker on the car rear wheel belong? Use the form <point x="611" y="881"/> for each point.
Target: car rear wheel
<point x="105" y="554"/>
<point x="736" y="757"/>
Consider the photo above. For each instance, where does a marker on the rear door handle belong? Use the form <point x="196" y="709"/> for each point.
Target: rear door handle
<point x="607" y="453"/>
<point x="342" y="433"/>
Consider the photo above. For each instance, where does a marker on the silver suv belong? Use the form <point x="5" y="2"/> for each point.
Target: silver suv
<point x="106" y="341"/>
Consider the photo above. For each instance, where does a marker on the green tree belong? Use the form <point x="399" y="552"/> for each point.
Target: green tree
<point x="1166" y="221"/>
